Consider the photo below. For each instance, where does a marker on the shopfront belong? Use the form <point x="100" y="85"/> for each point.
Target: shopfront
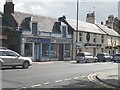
<point x="46" y="49"/>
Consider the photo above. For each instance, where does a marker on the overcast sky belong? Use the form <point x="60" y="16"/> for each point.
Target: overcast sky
<point x="57" y="8"/>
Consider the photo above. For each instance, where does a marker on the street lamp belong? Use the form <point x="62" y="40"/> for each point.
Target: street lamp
<point x="77" y="24"/>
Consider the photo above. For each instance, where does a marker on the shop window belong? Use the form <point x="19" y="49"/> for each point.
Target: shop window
<point x="67" y="51"/>
<point x="54" y="51"/>
<point x="45" y="50"/>
<point x="28" y="49"/>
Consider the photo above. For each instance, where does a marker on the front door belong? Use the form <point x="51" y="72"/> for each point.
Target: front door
<point x="61" y="52"/>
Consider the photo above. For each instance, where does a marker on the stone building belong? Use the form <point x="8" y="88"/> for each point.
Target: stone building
<point x="38" y="37"/>
<point x="113" y="23"/>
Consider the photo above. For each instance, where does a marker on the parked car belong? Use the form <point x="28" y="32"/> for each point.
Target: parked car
<point x="11" y="58"/>
<point x="103" y="57"/>
<point x="117" y="57"/>
<point x="85" y="57"/>
<point x="112" y="57"/>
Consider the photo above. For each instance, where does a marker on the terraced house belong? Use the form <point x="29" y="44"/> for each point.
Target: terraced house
<point x="45" y="38"/>
<point x="94" y="38"/>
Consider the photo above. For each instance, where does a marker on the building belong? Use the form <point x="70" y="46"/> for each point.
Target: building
<point x="10" y="37"/>
<point x="45" y="38"/>
<point x="93" y="38"/>
<point x="113" y="23"/>
<point x="38" y="37"/>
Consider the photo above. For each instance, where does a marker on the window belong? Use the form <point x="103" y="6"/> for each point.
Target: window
<point x="54" y="50"/>
<point x="7" y="53"/>
<point x="80" y="36"/>
<point x="34" y="28"/>
<point x="45" y="50"/>
<point x="64" y="31"/>
<point x="94" y="38"/>
<point x="28" y="49"/>
<point x="101" y="49"/>
<point x="102" y="39"/>
<point x="67" y="51"/>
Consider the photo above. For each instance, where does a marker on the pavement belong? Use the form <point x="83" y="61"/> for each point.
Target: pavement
<point x="109" y="77"/>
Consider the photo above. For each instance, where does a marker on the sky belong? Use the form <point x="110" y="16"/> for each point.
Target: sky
<point x="57" y="8"/>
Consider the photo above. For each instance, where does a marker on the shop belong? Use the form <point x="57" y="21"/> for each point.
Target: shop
<point x="46" y="49"/>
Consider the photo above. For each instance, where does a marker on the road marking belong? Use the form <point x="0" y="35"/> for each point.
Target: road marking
<point x="36" y="85"/>
<point x="58" y="81"/>
<point x="68" y="79"/>
<point x="46" y="83"/>
<point x="91" y="78"/>
<point x="83" y="76"/>
<point x="24" y="87"/>
<point x="76" y="78"/>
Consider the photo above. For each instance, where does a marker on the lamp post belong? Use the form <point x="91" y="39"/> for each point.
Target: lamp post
<point x="77" y="24"/>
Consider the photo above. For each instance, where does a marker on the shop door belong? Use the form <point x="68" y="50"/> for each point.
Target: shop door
<point x="94" y="51"/>
<point x="61" y="52"/>
<point x="37" y="52"/>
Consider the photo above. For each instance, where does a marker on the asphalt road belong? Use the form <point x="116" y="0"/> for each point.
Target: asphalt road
<point x="54" y="75"/>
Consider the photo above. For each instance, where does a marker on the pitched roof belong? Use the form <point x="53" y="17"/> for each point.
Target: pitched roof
<point x="85" y="27"/>
<point x="108" y="30"/>
<point x="45" y="23"/>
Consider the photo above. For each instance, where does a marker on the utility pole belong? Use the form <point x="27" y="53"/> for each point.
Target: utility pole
<point x="77" y="24"/>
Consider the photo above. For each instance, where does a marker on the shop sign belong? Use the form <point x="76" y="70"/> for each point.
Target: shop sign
<point x="60" y="41"/>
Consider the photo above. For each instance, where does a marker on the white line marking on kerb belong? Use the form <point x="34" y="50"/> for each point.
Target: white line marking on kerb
<point x="58" y="81"/>
<point x="36" y="85"/>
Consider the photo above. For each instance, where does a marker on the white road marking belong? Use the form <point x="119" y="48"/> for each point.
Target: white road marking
<point x="68" y="79"/>
<point x="36" y="85"/>
<point x="58" y="81"/>
<point x="83" y="76"/>
<point x="76" y="78"/>
<point x="46" y="83"/>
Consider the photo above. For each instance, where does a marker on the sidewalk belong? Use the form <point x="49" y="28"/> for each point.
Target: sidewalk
<point x="110" y="78"/>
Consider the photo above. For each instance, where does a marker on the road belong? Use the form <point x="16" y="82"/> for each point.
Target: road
<point x="54" y="75"/>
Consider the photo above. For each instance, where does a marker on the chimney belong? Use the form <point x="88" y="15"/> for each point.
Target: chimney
<point x="90" y="18"/>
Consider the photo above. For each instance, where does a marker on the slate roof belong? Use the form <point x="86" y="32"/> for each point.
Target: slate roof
<point x="85" y="27"/>
<point x="108" y="30"/>
<point x="45" y="23"/>
<point x="93" y="28"/>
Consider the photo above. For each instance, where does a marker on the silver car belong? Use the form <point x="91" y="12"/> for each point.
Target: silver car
<point x="117" y="57"/>
<point x="85" y="57"/>
<point x="11" y="58"/>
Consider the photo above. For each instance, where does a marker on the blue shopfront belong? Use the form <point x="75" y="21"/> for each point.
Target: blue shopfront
<point x="46" y="49"/>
